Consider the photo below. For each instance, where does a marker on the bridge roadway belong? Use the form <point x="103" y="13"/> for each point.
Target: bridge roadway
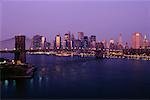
<point x="13" y="51"/>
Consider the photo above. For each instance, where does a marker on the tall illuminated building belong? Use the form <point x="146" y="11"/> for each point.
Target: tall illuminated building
<point x="112" y="41"/>
<point x="43" y="42"/>
<point x="111" y="44"/>
<point x="136" y="40"/>
<point x="80" y="35"/>
<point x="47" y="45"/>
<point x="120" y="39"/>
<point x="105" y="43"/>
<point x="85" y="42"/>
<point x="126" y="46"/>
<point x="37" y="42"/>
<point x="77" y="44"/>
<point x="92" y="41"/>
<point x="67" y="41"/>
<point x="145" y="42"/>
<point x="72" y="41"/>
<point x="119" y="45"/>
<point x="57" y="42"/>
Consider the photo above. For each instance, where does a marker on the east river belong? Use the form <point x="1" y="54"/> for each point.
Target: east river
<point x="79" y="77"/>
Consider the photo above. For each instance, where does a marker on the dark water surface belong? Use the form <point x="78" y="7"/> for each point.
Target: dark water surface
<point x="74" y="77"/>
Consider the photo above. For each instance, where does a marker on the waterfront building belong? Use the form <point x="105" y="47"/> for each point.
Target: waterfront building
<point x="64" y="44"/>
<point x="53" y="45"/>
<point x="126" y="46"/>
<point x="118" y="46"/>
<point x="47" y="45"/>
<point x="119" y="43"/>
<point x="136" y="40"/>
<point x="77" y="44"/>
<point x="57" y="42"/>
<point x="20" y="53"/>
<point x="111" y="44"/>
<point x="85" y="42"/>
<point x="72" y="41"/>
<point x="43" y="42"/>
<point x="105" y="43"/>
<point x="145" y="42"/>
<point x="111" y="41"/>
<point x="37" y="42"/>
<point x="99" y="45"/>
<point x="80" y="36"/>
<point x="92" y="41"/>
<point x="67" y="40"/>
<point x="120" y="39"/>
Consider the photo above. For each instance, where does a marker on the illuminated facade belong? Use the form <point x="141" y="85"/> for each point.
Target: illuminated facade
<point x="111" y="44"/>
<point x="111" y="41"/>
<point x="37" y="42"/>
<point x="72" y="41"/>
<point x="67" y="41"/>
<point x="80" y="35"/>
<point x="145" y="43"/>
<point x="57" y="42"/>
<point x="136" y="40"/>
<point x="85" y="42"/>
<point x="77" y="44"/>
<point x="43" y="42"/>
<point x="93" y="41"/>
<point x="120" y="39"/>
<point x="105" y="43"/>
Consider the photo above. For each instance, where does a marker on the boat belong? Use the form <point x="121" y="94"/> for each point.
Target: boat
<point x="64" y="54"/>
<point x="11" y="70"/>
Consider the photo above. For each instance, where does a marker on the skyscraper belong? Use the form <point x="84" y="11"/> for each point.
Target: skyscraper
<point x="119" y="45"/>
<point x="43" y="42"/>
<point x="136" y="40"/>
<point x="120" y="39"/>
<point x="92" y="41"/>
<point x="85" y="42"/>
<point x="112" y="41"/>
<point x="57" y="42"/>
<point x="67" y="41"/>
<point x="145" y="42"/>
<point x="72" y="41"/>
<point x="47" y="45"/>
<point x="37" y="42"/>
<point x="105" y="43"/>
<point x="80" y="35"/>
<point x="111" y="44"/>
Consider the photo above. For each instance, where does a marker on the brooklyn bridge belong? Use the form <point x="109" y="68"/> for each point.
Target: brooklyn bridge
<point x="9" y="46"/>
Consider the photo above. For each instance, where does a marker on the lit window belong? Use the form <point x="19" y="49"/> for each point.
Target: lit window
<point x="137" y="34"/>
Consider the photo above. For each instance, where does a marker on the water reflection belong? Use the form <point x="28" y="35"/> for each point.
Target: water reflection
<point x="81" y="79"/>
<point x="56" y="72"/>
<point x="0" y="83"/>
<point x="21" y="87"/>
<point x="14" y="83"/>
<point x="137" y="71"/>
<point x="6" y="83"/>
<point x="58" y="69"/>
<point x="44" y="71"/>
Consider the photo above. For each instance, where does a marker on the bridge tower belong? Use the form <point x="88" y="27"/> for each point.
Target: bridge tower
<point x="20" y="53"/>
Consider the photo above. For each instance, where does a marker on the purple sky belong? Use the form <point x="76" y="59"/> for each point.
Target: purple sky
<point x="105" y="19"/>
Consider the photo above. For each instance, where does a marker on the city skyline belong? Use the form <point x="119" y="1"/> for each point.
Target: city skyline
<point x="69" y="37"/>
<point x="57" y="49"/>
<point x="105" y="19"/>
